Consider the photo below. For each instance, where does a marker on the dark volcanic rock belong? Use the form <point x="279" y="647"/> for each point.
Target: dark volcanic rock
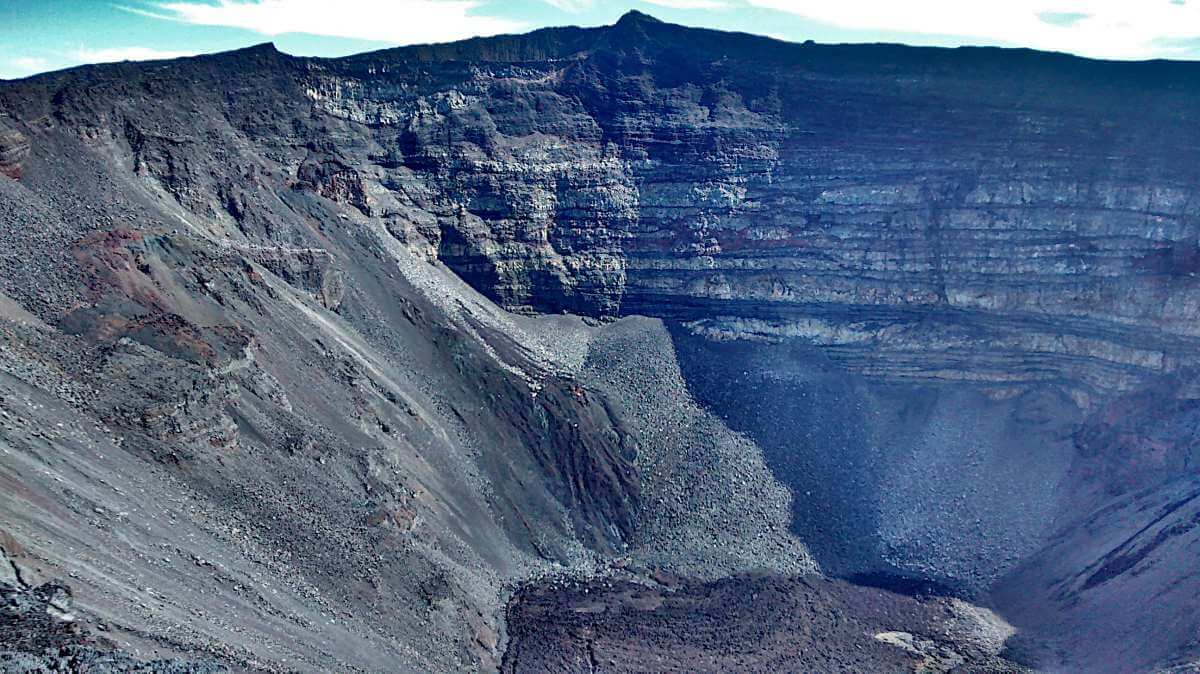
<point x="746" y="624"/>
<point x="260" y="398"/>
<point x="39" y="632"/>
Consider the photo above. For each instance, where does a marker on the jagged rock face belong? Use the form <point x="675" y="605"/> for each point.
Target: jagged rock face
<point x="908" y="209"/>
<point x="295" y="444"/>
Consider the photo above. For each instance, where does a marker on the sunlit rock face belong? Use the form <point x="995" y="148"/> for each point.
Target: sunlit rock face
<point x="977" y="215"/>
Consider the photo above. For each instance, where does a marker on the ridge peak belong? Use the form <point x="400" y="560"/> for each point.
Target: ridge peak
<point x="633" y="17"/>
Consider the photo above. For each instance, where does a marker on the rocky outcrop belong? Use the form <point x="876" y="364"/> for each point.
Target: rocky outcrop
<point x="39" y="632"/>
<point x="313" y="270"/>
<point x="14" y="148"/>
<point x="759" y="623"/>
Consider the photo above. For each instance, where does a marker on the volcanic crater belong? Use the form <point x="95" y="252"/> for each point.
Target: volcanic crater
<point x="630" y="348"/>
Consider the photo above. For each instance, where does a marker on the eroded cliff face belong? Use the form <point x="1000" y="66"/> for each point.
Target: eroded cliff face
<point x="881" y="304"/>
<point x="979" y="215"/>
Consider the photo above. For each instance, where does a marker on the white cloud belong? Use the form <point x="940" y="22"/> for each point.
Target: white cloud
<point x="111" y="54"/>
<point x="394" y="21"/>
<point x="23" y="66"/>
<point x="575" y="6"/>
<point x="1100" y="28"/>
<point x="689" y="4"/>
<point x="570" y="5"/>
<point x="30" y="62"/>
<point x="1121" y="29"/>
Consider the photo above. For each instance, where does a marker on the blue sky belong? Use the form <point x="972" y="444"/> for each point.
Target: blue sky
<point x="41" y="35"/>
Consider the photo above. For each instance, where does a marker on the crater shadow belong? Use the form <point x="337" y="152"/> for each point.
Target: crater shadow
<point x="914" y="487"/>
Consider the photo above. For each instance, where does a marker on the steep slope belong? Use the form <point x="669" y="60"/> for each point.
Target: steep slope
<point x="270" y="399"/>
<point x="251" y="483"/>
<point x="247" y="425"/>
<point x="1127" y="543"/>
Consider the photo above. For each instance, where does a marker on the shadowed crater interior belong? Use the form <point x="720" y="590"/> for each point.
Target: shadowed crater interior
<point x="934" y="488"/>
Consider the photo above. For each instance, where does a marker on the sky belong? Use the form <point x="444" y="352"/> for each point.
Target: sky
<point x="41" y="35"/>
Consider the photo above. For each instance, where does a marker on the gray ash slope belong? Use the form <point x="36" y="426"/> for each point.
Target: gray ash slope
<point x="273" y="398"/>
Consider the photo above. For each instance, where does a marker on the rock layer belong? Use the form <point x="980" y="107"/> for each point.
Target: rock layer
<point x="982" y="215"/>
